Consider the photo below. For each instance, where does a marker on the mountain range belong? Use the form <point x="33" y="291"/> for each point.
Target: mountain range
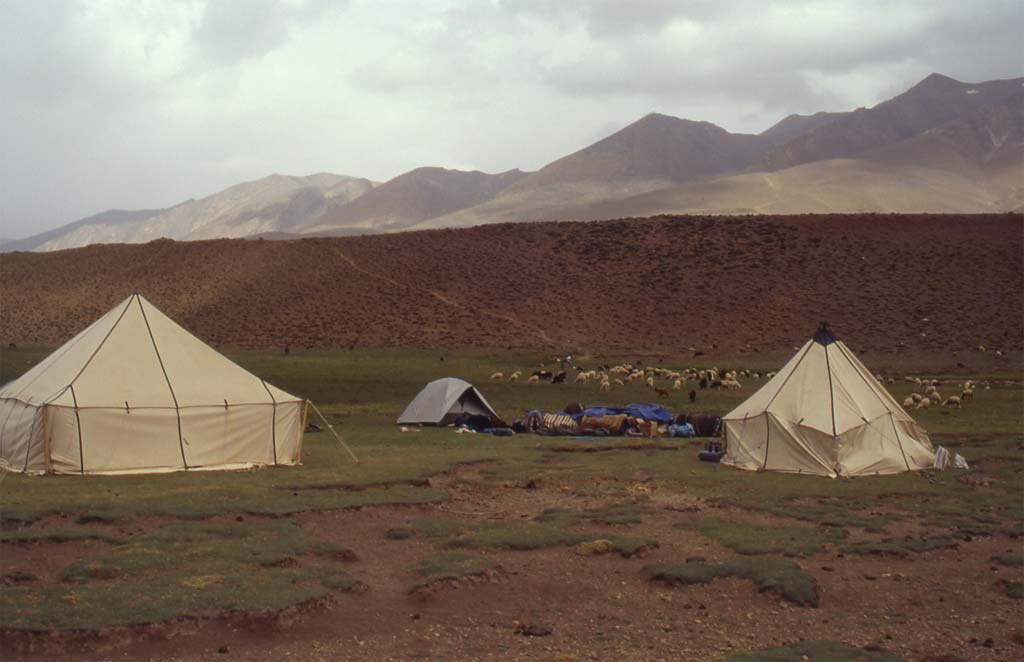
<point x="943" y="146"/>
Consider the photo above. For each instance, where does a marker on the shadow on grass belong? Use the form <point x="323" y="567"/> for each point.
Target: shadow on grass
<point x="900" y="547"/>
<point x="62" y="534"/>
<point x="768" y="574"/>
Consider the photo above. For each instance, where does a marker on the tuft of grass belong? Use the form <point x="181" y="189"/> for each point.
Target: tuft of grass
<point x="511" y="535"/>
<point x="838" y="513"/>
<point x="450" y="565"/>
<point x="427" y="528"/>
<point x="17" y="577"/>
<point x="630" y="547"/>
<point x="186" y="568"/>
<point x="259" y="543"/>
<point x="901" y="547"/>
<point x="1013" y="589"/>
<point x="832" y="651"/>
<point x="752" y="539"/>
<point x="1009" y="560"/>
<point x="519" y="536"/>
<point x="284" y="503"/>
<point x="612" y="514"/>
<point x="768" y="574"/>
<point x="339" y="581"/>
<point x="62" y="534"/>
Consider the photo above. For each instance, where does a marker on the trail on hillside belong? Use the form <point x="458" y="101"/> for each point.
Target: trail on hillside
<point x="437" y="295"/>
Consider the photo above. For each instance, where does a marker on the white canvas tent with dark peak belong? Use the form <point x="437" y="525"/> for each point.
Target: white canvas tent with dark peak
<point x="825" y="414"/>
<point x="442" y="400"/>
<point x="136" y="393"/>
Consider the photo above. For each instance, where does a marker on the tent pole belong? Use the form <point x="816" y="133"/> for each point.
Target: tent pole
<point x="331" y="427"/>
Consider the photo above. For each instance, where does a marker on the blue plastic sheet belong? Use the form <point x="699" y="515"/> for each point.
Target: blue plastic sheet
<point x="648" y="411"/>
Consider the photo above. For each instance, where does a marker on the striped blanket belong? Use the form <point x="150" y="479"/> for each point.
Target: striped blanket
<point x="558" y="424"/>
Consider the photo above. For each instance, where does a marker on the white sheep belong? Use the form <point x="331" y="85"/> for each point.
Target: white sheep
<point x="605" y="386"/>
<point x="952" y="401"/>
<point x="514" y="377"/>
<point x="650" y="382"/>
<point x="677" y="385"/>
<point x="908" y="402"/>
<point x="497" y="375"/>
<point x="967" y="394"/>
<point x="916" y="397"/>
<point x="924" y="404"/>
<point x="533" y="379"/>
<point x="619" y="382"/>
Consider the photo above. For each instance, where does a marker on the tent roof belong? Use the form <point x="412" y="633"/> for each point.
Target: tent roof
<point x="134" y="356"/>
<point x="824" y="414"/>
<point x="823" y="387"/>
<point x="437" y="398"/>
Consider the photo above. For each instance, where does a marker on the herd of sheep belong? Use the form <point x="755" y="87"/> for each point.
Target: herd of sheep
<point x="933" y="397"/>
<point x="607" y="377"/>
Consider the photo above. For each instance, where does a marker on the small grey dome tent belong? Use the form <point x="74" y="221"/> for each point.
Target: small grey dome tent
<point x="442" y="400"/>
<point x="824" y="414"/>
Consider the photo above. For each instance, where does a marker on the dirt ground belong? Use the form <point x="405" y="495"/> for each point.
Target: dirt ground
<point x="928" y="606"/>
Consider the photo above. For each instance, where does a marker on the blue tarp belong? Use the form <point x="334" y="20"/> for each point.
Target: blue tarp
<point x="646" y="410"/>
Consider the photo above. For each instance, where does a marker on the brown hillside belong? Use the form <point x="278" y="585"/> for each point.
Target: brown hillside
<point x="414" y="196"/>
<point x="795" y="125"/>
<point x="932" y="102"/>
<point x="655" y="147"/>
<point x="662" y="283"/>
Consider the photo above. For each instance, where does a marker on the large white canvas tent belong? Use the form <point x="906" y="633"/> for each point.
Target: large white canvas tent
<point x="825" y="414"/>
<point x="442" y="400"/>
<point x="136" y="393"/>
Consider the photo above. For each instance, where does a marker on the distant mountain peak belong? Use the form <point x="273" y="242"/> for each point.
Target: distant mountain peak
<point x="935" y="78"/>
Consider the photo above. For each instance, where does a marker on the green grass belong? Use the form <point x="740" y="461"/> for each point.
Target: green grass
<point x="187" y="568"/>
<point x="752" y="539"/>
<point x="450" y="565"/>
<point x="815" y="651"/>
<point x="768" y="574"/>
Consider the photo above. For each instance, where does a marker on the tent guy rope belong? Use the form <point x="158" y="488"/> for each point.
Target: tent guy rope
<point x="331" y="428"/>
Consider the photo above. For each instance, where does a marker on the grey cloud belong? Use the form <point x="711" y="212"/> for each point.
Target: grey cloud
<point x="231" y="31"/>
<point x="131" y="104"/>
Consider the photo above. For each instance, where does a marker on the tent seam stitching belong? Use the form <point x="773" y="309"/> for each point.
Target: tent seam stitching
<point x="156" y="350"/>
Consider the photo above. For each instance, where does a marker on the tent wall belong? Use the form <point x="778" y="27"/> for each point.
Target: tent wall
<point x="22" y="430"/>
<point x="115" y="441"/>
<point x="745" y="442"/>
<point x="137" y="441"/>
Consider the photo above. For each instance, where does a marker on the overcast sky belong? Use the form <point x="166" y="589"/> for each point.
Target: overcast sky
<point x="142" y="104"/>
